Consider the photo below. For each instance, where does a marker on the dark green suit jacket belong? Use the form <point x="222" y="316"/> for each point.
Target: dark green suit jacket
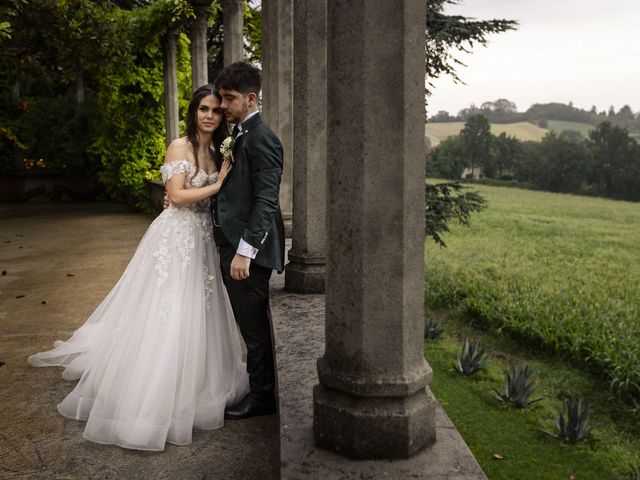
<point x="247" y="205"/>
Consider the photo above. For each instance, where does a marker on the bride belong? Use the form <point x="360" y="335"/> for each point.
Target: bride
<point x="161" y="353"/>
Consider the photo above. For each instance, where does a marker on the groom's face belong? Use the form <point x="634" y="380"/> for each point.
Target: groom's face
<point x="235" y="105"/>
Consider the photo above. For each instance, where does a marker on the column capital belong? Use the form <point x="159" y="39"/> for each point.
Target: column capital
<point x="202" y="8"/>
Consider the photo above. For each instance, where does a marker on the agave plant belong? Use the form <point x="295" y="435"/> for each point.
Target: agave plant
<point x="471" y="358"/>
<point x="575" y="426"/>
<point x="432" y="329"/>
<point x="518" y="387"/>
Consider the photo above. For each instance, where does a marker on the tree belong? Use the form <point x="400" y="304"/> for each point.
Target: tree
<point x="626" y="113"/>
<point x="446" y="32"/>
<point x="445" y="202"/>
<point x="447" y="160"/>
<point x="477" y="141"/>
<point x="616" y="159"/>
<point x="442" y="116"/>
<point x="507" y="150"/>
<point x="562" y="165"/>
<point x="572" y="135"/>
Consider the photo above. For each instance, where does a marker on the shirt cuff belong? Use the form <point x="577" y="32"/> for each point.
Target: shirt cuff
<point x="246" y="250"/>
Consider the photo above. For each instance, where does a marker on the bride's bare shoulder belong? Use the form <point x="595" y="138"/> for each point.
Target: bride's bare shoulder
<point x="178" y="150"/>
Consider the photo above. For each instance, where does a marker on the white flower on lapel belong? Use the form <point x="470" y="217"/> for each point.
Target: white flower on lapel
<point x="226" y="149"/>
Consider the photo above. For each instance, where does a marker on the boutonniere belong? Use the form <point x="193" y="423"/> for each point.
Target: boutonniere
<point x="226" y="148"/>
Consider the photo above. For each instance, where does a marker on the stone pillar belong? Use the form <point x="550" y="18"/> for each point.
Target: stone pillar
<point x="170" y="85"/>
<point x="233" y="36"/>
<point x="15" y="91"/>
<point x="79" y="93"/>
<point x="373" y="399"/>
<point x="277" y="92"/>
<point x="305" y="272"/>
<point x="198" y="37"/>
<point x="17" y="98"/>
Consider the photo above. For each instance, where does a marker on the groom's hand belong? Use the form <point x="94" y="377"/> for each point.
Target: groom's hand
<point x="240" y="267"/>
<point x="165" y="200"/>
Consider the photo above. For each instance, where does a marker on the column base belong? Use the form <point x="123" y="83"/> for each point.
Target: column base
<point x="305" y="275"/>
<point x="287" y="219"/>
<point x="373" y="427"/>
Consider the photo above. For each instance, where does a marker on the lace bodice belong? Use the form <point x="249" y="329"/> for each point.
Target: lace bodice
<point x="191" y="180"/>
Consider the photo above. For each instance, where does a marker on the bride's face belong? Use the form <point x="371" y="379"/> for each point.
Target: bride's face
<point x="209" y="114"/>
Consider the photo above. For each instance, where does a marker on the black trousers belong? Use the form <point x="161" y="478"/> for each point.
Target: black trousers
<point x="250" y="303"/>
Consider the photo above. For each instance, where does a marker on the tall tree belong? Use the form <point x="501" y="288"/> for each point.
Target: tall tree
<point x="508" y="150"/>
<point x="616" y="161"/>
<point x="477" y="139"/>
<point x="562" y="165"/>
<point x="447" y="160"/>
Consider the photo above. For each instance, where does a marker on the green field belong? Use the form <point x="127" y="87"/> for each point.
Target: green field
<point x="438" y="131"/>
<point x="559" y="126"/>
<point x="490" y="427"/>
<point x="556" y="271"/>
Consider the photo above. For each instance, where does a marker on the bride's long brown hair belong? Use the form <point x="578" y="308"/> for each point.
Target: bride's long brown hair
<point x="219" y="134"/>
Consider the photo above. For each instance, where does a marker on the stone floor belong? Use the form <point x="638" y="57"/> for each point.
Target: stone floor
<point x="61" y="259"/>
<point x="298" y="323"/>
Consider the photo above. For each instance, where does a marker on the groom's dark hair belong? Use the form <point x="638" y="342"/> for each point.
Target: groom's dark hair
<point x="240" y="76"/>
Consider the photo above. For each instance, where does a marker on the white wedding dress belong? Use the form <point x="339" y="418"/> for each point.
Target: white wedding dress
<point x="161" y="353"/>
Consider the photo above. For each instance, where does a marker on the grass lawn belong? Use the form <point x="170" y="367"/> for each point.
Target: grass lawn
<point x="492" y="428"/>
<point x="557" y="271"/>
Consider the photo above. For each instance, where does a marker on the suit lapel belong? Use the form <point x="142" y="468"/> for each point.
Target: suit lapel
<point x="239" y="141"/>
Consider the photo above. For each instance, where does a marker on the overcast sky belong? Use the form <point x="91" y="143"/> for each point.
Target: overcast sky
<point x="584" y="51"/>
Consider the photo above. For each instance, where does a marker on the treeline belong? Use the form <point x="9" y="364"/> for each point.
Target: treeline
<point x="605" y="164"/>
<point x="505" y="111"/>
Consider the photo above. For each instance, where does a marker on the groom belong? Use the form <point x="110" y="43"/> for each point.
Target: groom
<point x="249" y="231"/>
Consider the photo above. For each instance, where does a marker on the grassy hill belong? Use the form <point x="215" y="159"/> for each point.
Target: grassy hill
<point x="559" y="126"/>
<point x="558" y="273"/>
<point x="552" y="269"/>
<point x="438" y="131"/>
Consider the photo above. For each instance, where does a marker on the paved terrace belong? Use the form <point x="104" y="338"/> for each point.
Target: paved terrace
<point x="61" y="260"/>
<point x="69" y="256"/>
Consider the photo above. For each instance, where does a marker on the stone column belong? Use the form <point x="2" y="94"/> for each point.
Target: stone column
<point x="277" y="92"/>
<point x="170" y="85"/>
<point x="305" y="272"/>
<point x="17" y="98"/>
<point x="79" y="94"/>
<point x="373" y="399"/>
<point x="233" y="36"/>
<point x="198" y="37"/>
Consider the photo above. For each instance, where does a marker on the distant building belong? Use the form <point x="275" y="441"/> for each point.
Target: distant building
<point x="474" y="174"/>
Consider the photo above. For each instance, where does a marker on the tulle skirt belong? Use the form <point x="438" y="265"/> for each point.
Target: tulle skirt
<point x="161" y="353"/>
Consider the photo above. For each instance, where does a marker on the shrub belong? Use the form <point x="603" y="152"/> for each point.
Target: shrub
<point x="575" y="426"/>
<point x="432" y="329"/>
<point x="471" y="359"/>
<point x="518" y="387"/>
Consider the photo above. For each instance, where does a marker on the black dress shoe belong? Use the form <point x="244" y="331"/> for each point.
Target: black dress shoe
<point x="250" y="407"/>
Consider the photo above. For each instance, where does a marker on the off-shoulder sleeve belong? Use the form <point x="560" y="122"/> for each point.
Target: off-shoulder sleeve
<point x="175" y="167"/>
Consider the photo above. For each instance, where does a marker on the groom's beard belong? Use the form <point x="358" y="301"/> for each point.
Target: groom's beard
<point x="239" y="117"/>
